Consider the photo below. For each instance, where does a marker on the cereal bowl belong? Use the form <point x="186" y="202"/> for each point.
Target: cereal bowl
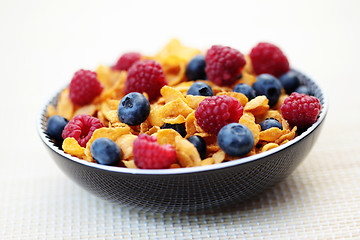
<point x="194" y="188"/>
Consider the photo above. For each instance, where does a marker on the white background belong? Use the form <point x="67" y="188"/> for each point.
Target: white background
<point x="42" y="43"/>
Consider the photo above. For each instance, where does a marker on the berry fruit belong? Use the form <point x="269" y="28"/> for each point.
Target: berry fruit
<point x="269" y="86"/>
<point x="126" y="61"/>
<point x="145" y="76"/>
<point x="215" y="112"/>
<point x="303" y="89"/>
<point x="245" y="89"/>
<point x="134" y="108"/>
<point x="200" y="145"/>
<point x="195" y="70"/>
<point x="269" y="123"/>
<point x="81" y="127"/>
<point x="180" y="128"/>
<point x="149" y="154"/>
<point x="223" y="65"/>
<point x="105" y="151"/>
<point x="300" y="109"/>
<point x="235" y="139"/>
<point x="55" y="127"/>
<point x="84" y="87"/>
<point x="290" y="81"/>
<point x="268" y="58"/>
<point x="200" y="89"/>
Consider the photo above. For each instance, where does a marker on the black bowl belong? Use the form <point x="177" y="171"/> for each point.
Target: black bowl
<point x="189" y="189"/>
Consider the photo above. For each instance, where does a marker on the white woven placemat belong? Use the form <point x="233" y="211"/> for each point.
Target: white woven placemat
<point x="319" y="200"/>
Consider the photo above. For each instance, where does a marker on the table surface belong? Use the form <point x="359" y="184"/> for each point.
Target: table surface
<point x="43" y="43"/>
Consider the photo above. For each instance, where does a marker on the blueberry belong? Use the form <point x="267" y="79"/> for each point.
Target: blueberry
<point x="235" y="139"/>
<point x="133" y="109"/>
<point x="245" y="89"/>
<point x="200" y="145"/>
<point x="200" y="89"/>
<point x="196" y="68"/>
<point x="290" y="81"/>
<point x="105" y="151"/>
<point x="269" y="123"/>
<point x="180" y="128"/>
<point x="269" y="86"/>
<point x="55" y="127"/>
<point x="303" y="89"/>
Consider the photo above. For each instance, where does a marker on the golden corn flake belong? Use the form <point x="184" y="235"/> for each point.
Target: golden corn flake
<point x="176" y="120"/>
<point x="65" y="107"/>
<point x="219" y="156"/>
<point x="167" y="136"/>
<point x="258" y="105"/>
<point x="130" y="164"/>
<point x="207" y="161"/>
<point x="271" y="134"/>
<point x="171" y="94"/>
<point x="125" y="143"/>
<point x="269" y="146"/>
<point x="194" y="101"/>
<point x="186" y="153"/>
<point x="239" y="96"/>
<point x="72" y="147"/>
<point x="248" y="121"/>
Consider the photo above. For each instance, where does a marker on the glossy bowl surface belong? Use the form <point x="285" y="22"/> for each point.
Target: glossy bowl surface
<point x="189" y="189"/>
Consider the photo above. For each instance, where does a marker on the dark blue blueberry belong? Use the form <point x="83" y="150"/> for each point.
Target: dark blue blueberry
<point x="235" y="139"/>
<point x="269" y="86"/>
<point x="303" y="89"/>
<point x="269" y="123"/>
<point x="180" y="128"/>
<point x="200" y="145"/>
<point x="200" y="89"/>
<point x="55" y="127"/>
<point x="105" y="151"/>
<point x="245" y="89"/>
<point x="133" y="109"/>
<point x="196" y="68"/>
<point x="290" y="81"/>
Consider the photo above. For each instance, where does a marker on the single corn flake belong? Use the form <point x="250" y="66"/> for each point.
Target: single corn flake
<point x="269" y="146"/>
<point x="271" y="134"/>
<point x="167" y="136"/>
<point x="186" y="153"/>
<point x="258" y="105"/>
<point x="125" y="143"/>
<point x="72" y="147"/>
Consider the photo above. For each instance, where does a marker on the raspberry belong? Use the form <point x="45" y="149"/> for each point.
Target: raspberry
<point x="149" y="154"/>
<point x="223" y="65"/>
<point x="300" y="109"/>
<point x="268" y="58"/>
<point x="84" y="87"/>
<point x="215" y="112"/>
<point x="126" y="61"/>
<point x="145" y="76"/>
<point x="81" y="127"/>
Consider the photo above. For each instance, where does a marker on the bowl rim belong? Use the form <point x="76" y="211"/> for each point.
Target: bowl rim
<point x="189" y="170"/>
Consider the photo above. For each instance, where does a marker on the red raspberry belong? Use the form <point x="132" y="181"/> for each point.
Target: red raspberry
<point x="215" y="112"/>
<point x="149" y="154"/>
<point x="223" y="65"/>
<point x="81" y="127"/>
<point x="126" y="61"/>
<point x="145" y="76"/>
<point x="268" y="58"/>
<point x="300" y="109"/>
<point x="84" y="87"/>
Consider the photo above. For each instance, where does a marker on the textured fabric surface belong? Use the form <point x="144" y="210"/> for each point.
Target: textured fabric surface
<point x="44" y="42"/>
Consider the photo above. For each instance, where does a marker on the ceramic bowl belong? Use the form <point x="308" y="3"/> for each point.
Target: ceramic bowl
<point x="189" y="189"/>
